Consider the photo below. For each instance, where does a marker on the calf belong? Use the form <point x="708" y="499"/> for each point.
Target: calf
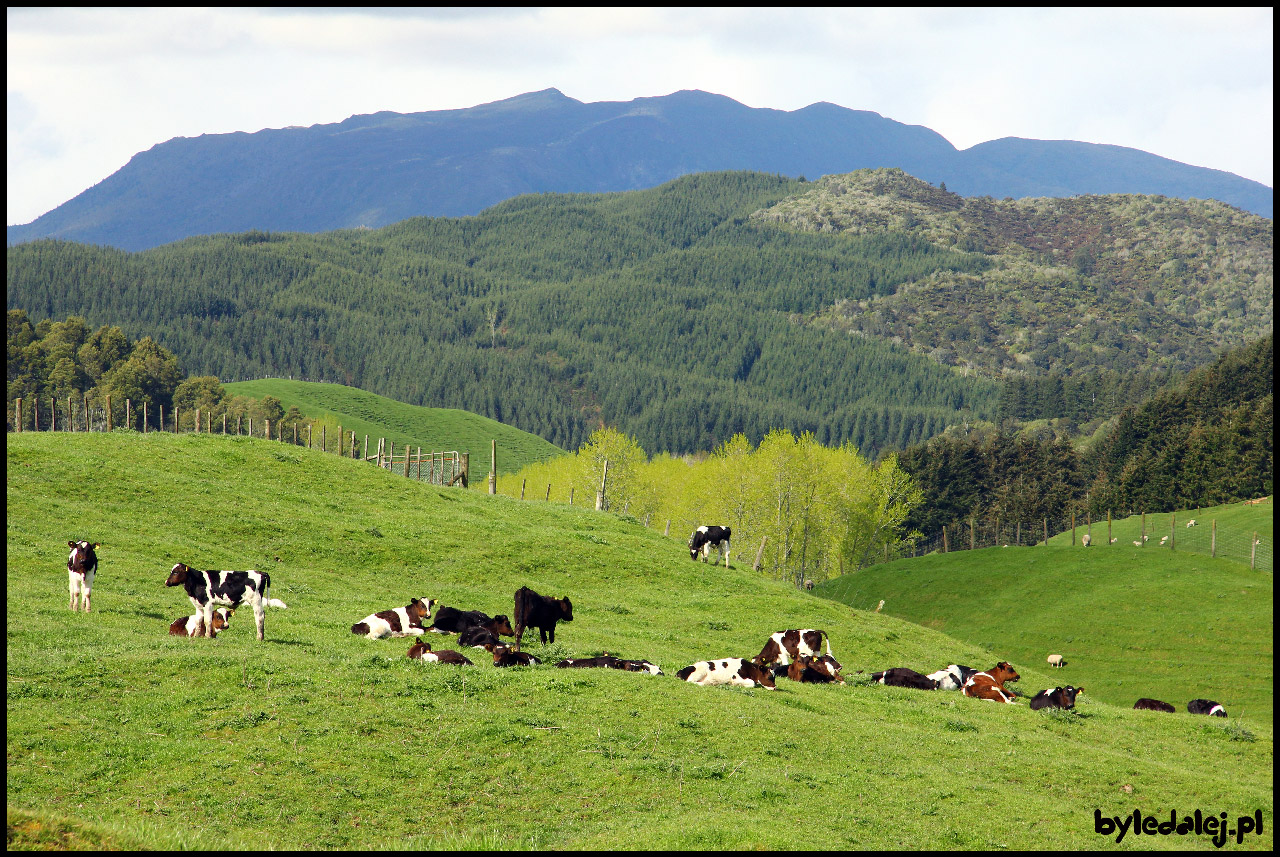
<point x="990" y="684"/>
<point x="477" y="638"/>
<point x="810" y="670"/>
<point x="1058" y="697"/>
<point x="738" y="672"/>
<point x="640" y="666"/>
<point x="82" y="565"/>
<point x="1206" y="706"/>
<point x="1056" y="660"/>
<point x="451" y="620"/>
<point x="232" y="588"/>
<point x="541" y="612"/>
<point x="422" y="651"/>
<point x="904" y="677"/>
<point x="1146" y="704"/>
<point x="505" y="656"/>
<point x="193" y="626"/>
<point x="605" y="661"/>
<point x="785" y="646"/>
<point x="705" y="539"/>
<point x="401" y="622"/>
<point x="953" y="677"/>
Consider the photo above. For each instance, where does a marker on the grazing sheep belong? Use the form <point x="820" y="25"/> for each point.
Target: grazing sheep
<point x="1085" y="540"/>
<point x="1163" y="539"/>
<point x="1137" y="544"/>
<point x="1191" y="523"/>
<point x="1056" y="661"/>
<point x="1115" y="539"/>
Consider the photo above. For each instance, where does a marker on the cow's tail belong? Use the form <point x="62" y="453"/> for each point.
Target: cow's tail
<point x="828" y="639"/>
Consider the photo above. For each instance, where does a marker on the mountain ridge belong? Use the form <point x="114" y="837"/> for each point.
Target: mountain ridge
<point x="371" y="170"/>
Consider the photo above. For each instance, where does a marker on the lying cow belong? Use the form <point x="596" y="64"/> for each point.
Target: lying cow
<point x="193" y="626"/>
<point x="1146" y="704"/>
<point x="541" y="612"/>
<point x="785" y="646"/>
<point x="990" y="684"/>
<point x="451" y="620"/>
<point x="505" y="656"/>
<point x="953" y="677"/>
<point x="1206" y="706"/>
<point x="738" y="672"/>
<point x="422" y="651"/>
<point x="1058" y="697"/>
<point x="708" y="538"/>
<point x="608" y="661"/>
<point x="640" y="666"/>
<point x="811" y="670"/>
<point x="399" y="622"/>
<point x="231" y="588"/>
<point x="82" y="565"/>
<point x="904" y="677"/>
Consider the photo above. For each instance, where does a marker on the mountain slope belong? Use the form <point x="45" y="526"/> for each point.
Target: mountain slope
<point x="377" y="169"/>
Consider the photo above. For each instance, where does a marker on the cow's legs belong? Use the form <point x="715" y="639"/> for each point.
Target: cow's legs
<point x="260" y="620"/>
<point x="73" y="585"/>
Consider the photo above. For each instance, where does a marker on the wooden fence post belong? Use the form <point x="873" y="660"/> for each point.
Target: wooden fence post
<point x="522" y="481"/>
<point x="1073" y="529"/>
<point x="86" y="419"/>
<point x="366" y="447"/>
<point x="1253" y="551"/>
<point x="109" y="413"/>
<point x="667" y="531"/>
<point x="71" y="416"/>
<point x="1173" y="529"/>
<point x="600" y="496"/>
<point x="570" y="495"/>
<point x="971" y="544"/>
<point x="1108" y="526"/>
<point x="1017" y="538"/>
<point x="35" y="413"/>
<point x="755" y="566"/>
<point x="17" y="413"/>
<point x="1046" y="532"/>
<point x="53" y="413"/>
<point x="944" y="539"/>
<point x="549" y="492"/>
<point x="493" y="467"/>
<point x="1213" y="538"/>
<point x="144" y="416"/>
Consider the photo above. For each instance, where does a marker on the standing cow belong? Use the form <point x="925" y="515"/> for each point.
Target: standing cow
<point x="541" y="612"/>
<point x="82" y="565"/>
<point x="232" y="588"/>
<point x="705" y="539"/>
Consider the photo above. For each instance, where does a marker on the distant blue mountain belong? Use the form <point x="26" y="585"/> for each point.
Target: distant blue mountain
<point x="372" y="170"/>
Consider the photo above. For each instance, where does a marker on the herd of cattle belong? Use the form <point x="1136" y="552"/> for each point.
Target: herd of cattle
<point x="796" y="654"/>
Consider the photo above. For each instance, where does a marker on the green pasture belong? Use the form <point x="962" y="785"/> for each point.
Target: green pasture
<point x="120" y="736"/>
<point x="433" y="429"/>
<point x="1130" y="623"/>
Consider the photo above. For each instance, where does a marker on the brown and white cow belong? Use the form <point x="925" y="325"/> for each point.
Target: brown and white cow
<point x="82" y="565"/>
<point x="421" y="651"/>
<point x="811" y="670"/>
<point x="738" y="672"/>
<point x="231" y="588"/>
<point x="193" y="626"/>
<point x="990" y="684"/>
<point x="399" y="622"/>
<point x="506" y="656"/>
<point x="785" y="646"/>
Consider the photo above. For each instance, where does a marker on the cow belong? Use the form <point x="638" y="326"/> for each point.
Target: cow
<point x="1206" y="706"/>
<point x="400" y="622"/>
<point x="953" y="677"/>
<point x="541" y="612"/>
<point x="477" y="637"/>
<point x="785" y="646"/>
<point x="738" y="672"/>
<point x="990" y="684"/>
<point x="811" y="670"/>
<point x="193" y="626"/>
<point x="640" y="666"/>
<point x="904" y="677"/>
<point x="451" y="620"/>
<point x="505" y="656"/>
<point x="1146" y="704"/>
<point x="1056" y="661"/>
<point x="706" y="538"/>
<point x="605" y="661"/>
<point x="82" y="565"/>
<point x="1058" y="697"/>
<point x="422" y="651"/>
<point x="230" y="588"/>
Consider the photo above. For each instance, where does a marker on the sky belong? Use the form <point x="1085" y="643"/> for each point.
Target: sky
<point x="89" y="88"/>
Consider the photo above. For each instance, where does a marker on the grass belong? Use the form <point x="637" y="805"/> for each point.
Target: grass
<point x="1130" y="623"/>
<point x="119" y="736"/>
<point x="434" y="429"/>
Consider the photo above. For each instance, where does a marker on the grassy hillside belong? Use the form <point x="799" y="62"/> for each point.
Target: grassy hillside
<point x="119" y="735"/>
<point x="435" y="429"/>
<point x="1130" y="623"/>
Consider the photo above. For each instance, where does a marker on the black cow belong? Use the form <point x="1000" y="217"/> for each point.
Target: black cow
<point x="505" y="656"/>
<point x="904" y="677"/>
<point x="1146" y="704"/>
<point x="605" y="661"/>
<point x="1058" y="697"/>
<point x="708" y="537"/>
<point x="451" y="620"/>
<point x="1206" y="706"/>
<point x="541" y="612"/>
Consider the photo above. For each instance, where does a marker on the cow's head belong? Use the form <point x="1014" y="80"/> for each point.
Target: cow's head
<point x="502" y="625"/>
<point x="1003" y="672"/>
<point x="566" y="609"/>
<point x="178" y="575"/>
<point x="1069" y="694"/>
<point x="760" y="675"/>
<point x="419" y="648"/>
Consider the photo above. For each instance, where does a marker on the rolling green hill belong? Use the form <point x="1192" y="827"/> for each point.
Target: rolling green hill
<point x="119" y="735"/>
<point x="434" y="429"/>
<point x="1130" y="623"/>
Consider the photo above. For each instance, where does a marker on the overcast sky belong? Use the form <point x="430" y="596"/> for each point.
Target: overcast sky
<point x="89" y="88"/>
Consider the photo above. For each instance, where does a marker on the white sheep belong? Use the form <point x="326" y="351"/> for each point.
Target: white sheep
<point x="1115" y="539"/>
<point x="1137" y="544"/>
<point x="1191" y="523"/>
<point x="1056" y="660"/>
<point x="1163" y="539"/>
<point x="1085" y="540"/>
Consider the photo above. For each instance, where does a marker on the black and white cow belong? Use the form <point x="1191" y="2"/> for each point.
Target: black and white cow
<point x="1206" y="706"/>
<point x="608" y="661"/>
<point x="193" y="626"/>
<point x="785" y="646"/>
<point x="709" y="537"/>
<point x="1058" y="697"/>
<point x="953" y="677"/>
<point x="738" y="672"/>
<point x="82" y="565"/>
<point x="231" y="588"/>
<point x="399" y="622"/>
<point x="541" y="612"/>
<point x="905" y="677"/>
<point x="1148" y="704"/>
